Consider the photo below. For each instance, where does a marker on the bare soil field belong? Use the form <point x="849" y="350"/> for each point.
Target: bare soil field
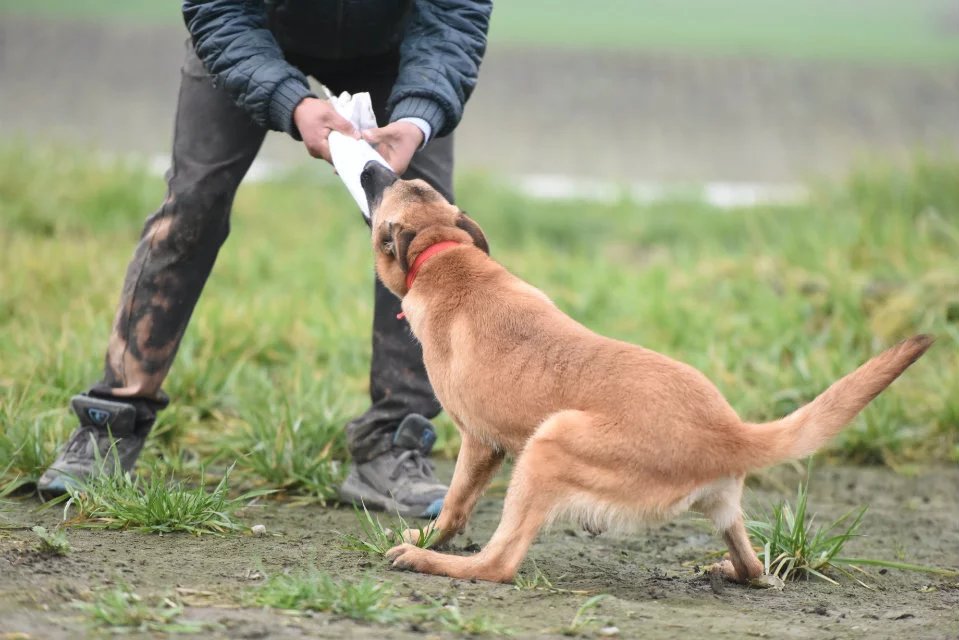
<point x="655" y="586"/>
<point x="616" y="116"/>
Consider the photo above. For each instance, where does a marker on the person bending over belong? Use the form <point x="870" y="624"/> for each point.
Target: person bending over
<point x="245" y="73"/>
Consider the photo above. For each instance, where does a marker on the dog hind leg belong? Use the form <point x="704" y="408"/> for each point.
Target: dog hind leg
<point x="723" y="507"/>
<point x="745" y="563"/>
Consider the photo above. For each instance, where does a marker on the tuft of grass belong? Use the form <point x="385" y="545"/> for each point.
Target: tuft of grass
<point x="121" y="610"/>
<point x="539" y="581"/>
<point x="453" y="619"/>
<point x="369" y="599"/>
<point x="378" y="539"/>
<point x="293" y="441"/>
<point x="52" y="543"/>
<point x="584" y="616"/>
<point x="119" y="500"/>
<point x="793" y="547"/>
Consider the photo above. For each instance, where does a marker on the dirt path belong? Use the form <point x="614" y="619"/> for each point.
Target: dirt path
<point x="615" y="116"/>
<point x="651" y="578"/>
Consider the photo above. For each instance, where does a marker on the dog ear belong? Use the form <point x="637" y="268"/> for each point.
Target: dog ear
<point x="401" y="244"/>
<point x="466" y="223"/>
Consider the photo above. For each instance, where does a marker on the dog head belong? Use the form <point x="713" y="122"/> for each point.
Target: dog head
<point x="406" y="217"/>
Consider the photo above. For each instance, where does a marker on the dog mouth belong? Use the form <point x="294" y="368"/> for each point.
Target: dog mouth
<point x="375" y="178"/>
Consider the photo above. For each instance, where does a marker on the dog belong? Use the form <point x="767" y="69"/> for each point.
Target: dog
<point x="604" y="432"/>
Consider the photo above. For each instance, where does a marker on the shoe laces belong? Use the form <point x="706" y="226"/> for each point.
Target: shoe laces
<point x="80" y="442"/>
<point x="414" y="463"/>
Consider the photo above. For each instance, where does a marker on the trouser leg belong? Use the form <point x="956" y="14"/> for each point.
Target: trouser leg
<point x="398" y="382"/>
<point x="214" y="143"/>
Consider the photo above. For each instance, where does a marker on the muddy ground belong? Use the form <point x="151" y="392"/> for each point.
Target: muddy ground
<point x="651" y="577"/>
<point x="613" y="116"/>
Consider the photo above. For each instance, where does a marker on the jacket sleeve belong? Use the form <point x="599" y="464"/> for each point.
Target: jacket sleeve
<point x="440" y="57"/>
<point x="232" y="39"/>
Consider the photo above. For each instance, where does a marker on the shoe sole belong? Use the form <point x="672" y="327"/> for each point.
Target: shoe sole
<point x="355" y="494"/>
<point x="55" y="486"/>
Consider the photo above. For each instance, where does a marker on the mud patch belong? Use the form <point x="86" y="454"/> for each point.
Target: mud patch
<point x="653" y="580"/>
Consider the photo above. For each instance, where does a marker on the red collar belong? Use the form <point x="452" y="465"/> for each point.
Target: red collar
<point x="426" y="254"/>
<point x="421" y="259"/>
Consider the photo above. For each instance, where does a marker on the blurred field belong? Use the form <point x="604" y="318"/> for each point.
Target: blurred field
<point x="654" y="92"/>
<point x="889" y="30"/>
<point x="771" y="303"/>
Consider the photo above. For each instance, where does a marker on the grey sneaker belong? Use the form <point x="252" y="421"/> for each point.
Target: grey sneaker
<point x="99" y="420"/>
<point x="400" y="480"/>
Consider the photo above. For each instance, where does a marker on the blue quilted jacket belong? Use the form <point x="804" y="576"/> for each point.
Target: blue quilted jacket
<point x="441" y="44"/>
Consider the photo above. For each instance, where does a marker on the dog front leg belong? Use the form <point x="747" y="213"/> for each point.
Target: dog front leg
<point x="548" y="471"/>
<point x="475" y="466"/>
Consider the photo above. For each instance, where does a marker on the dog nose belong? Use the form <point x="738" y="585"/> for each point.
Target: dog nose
<point x="374" y="179"/>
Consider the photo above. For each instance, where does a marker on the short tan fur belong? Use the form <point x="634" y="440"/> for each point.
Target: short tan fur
<point x="604" y="432"/>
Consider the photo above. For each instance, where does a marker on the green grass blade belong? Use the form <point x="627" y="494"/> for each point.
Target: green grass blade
<point x="890" y="564"/>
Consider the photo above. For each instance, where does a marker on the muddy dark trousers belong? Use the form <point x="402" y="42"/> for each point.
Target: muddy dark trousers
<point x="214" y="145"/>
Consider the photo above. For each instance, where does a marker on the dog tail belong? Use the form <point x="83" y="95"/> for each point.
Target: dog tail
<point x="808" y="428"/>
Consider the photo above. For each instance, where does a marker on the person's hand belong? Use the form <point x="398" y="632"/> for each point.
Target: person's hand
<point x="396" y="142"/>
<point x="315" y="119"/>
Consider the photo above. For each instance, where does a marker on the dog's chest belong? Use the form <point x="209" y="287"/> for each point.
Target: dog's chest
<point x="473" y="403"/>
<point x="480" y="378"/>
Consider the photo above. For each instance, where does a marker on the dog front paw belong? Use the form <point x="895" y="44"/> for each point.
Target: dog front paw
<point x="409" y="557"/>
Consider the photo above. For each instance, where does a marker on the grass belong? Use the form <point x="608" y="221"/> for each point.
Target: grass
<point x="368" y="599"/>
<point x="885" y="30"/>
<point x="772" y="303"/>
<point x="584" y="616"/>
<point x="533" y="581"/>
<point x="122" y="611"/>
<point x="53" y="543"/>
<point x="452" y="618"/>
<point x="293" y="441"/>
<point x="120" y="500"/>
<point x="536" y="580"/>
<point x="4" y="504"/>
<point x="794" y="547"/>
<point x="377" y="539"/>
<point x="28" y="438"/>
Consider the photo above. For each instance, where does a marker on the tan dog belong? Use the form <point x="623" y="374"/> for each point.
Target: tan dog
<point x="604" y="432"/>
